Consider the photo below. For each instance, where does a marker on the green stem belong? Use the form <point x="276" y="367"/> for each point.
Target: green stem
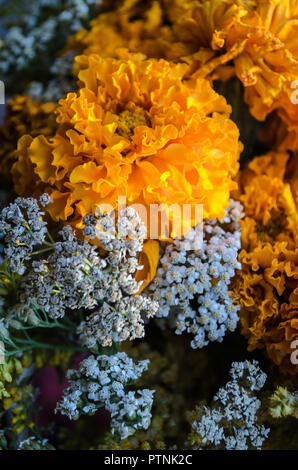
<point x="50" y="238"/>
<point x="44" y="250"/>
<point x="70" y="323"/>
<point x="36" y="345"/>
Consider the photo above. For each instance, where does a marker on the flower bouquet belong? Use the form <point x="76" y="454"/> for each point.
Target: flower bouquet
<point x="149" y="225"/>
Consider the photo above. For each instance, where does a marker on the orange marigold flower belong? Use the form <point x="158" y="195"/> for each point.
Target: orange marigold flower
<point x="135" y="129"/>
<point x="22" y="116"/>
<point x="203" y="27"/>
<point x="254" y="39"/>
<point x="281" y="129"/>
<point x="182" y="31"/>
<point x="138" y="28"/>
<point x="268" y="284"/>
<point x="269" y="62"/>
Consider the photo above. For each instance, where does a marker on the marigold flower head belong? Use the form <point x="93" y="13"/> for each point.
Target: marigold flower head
<point x="281" y="129"/>
<point x="268" y="286"/>
<point x="269" y="61"/>
<point x="250" y="38"/>
<point x="23" y="116"/>
<point x="135" y="129"/>
<point x="133" y="26"/>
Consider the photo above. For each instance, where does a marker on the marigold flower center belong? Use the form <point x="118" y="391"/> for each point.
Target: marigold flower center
<point x="276" y="225"/>
<point x="129" y="120"/>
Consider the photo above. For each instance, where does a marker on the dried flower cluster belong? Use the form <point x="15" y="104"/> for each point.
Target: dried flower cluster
<point x="119" y="318"/>
<point x="151" y="141"/>
<point x="102" y="381"/>
<point x="231" y="423"/>
<point x="283" y="403"/>
<point x="192" y="281"/>
<point x="74" y="276"/>
<point x="37" y="34"/>
<point x="22" y="116"/>
<point x="131" y="224"/>
<point x="267" y="285"/>
<point x="32" y="443"/>
<point x="219" y="39"/>
<point x="62" y="82"/>
<point x="22" y="229"/>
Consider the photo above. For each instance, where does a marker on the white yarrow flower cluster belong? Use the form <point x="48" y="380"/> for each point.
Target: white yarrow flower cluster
<point x="22" y="229"/>
<point x="74" y="276"/>
<point x="103" y="381"/>
<point x="33" y="443"/>
<point x="231" y="423"/>
<point x="121" y="316"/>
<point x="192" y="281"/>
<point x="63" y="81"/>
<point x="31" y="44"/>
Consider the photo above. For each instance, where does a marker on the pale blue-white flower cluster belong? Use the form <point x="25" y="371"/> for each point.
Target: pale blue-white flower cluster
<point x="31" y="43"/>
<point x="33" y="443"/>
<point x="193" y="277"/>
<point x="61" y="83"/>
<point x="104" y="381"/>
<point x="71" y="275"/>
<point x="120" y="314"/>
<point x="232" y="422"/>
<point x="22" y="229"/>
